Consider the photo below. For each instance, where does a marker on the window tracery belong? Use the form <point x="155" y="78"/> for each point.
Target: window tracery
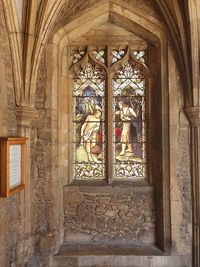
<point x="100" y="90"/>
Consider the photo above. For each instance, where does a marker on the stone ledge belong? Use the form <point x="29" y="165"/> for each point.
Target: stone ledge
<point x="122" y="261"/>
<point x="108" y="250"/>
<point x="116" y="256"/>
<point x="112" y="189"/>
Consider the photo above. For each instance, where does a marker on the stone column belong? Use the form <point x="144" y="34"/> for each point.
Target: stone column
<point x="24" y="116"/>
<point x="193" y="114"/>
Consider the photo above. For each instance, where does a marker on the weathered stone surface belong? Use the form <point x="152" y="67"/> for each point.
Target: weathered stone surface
<point x="71" y="9"/>
<point x="11" y="220"/>
<point x="44" y="170"/>
<point x="87" y="216"/>
<point x="110" y="216"/>
<point x="116" y="256"/>
<point x="180" y="166"/>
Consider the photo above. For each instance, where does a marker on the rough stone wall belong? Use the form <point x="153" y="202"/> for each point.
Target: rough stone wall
<point x="184" y="180"/>
<point x="43" y="170"/>
<point x="115" y="214"/>
<point x="89" y="216"/>
<point x="102" y="216"/>
<point x="40" y="158"/>
<point x="180" y="178"/>
<point x="10" y="208"/>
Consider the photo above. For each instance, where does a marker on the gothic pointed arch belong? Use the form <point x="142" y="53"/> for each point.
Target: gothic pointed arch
<point x="153" y="34"/>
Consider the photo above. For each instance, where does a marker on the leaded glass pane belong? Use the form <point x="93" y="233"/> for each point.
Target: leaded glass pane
<point x="140" y="55"/>
<point x="129" y="78"/>
<point x="117" y="54"/>
<point x="88" y="171"/>
<point x="129" y="122"/>
<point x="78" y="55"/>
<point x="89" y="122"/>
<point x="100" y="55"/>
<point x="91" y="76"/>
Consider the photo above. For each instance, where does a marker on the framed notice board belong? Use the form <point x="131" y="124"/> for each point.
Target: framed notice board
<point x="12" y="165"/>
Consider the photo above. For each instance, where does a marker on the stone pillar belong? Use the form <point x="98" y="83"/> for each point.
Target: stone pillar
<point x="24" y="116"/>
<point x="193" y="114"/>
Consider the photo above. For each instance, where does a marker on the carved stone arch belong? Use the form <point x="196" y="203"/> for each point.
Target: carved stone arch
<point x="194" y="31"/>
<point x="174" y="15"/>
<point x="154" y="34"/>
<point x="37" y="37"/>
<point x="47" y="18"/>
<point x="46" y="14"/>
<point x="15" y="37"/>
<point x="30" y="38"/>
<point x="37" y="34"/>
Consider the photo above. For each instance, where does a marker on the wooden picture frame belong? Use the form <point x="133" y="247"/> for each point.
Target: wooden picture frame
<point x="13" y="154"/>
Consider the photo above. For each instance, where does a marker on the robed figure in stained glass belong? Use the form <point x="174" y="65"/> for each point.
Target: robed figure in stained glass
<point x="126" y="113"/>
<point x="90" y="135"/>
<point x="129" y="121"/>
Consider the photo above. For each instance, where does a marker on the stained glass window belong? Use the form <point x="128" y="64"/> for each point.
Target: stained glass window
<point x="129" y="122"/>
<point x="89" y="122"/>
<point x="91" y="109"/>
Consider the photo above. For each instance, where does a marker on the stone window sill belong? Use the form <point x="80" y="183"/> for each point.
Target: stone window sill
<point x="104" y="187"/>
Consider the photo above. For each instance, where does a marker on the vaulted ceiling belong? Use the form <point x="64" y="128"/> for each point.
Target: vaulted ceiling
<point x="32" y="23"/>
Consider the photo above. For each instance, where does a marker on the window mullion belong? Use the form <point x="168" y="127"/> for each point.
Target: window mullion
<point x="109" y="110"/>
